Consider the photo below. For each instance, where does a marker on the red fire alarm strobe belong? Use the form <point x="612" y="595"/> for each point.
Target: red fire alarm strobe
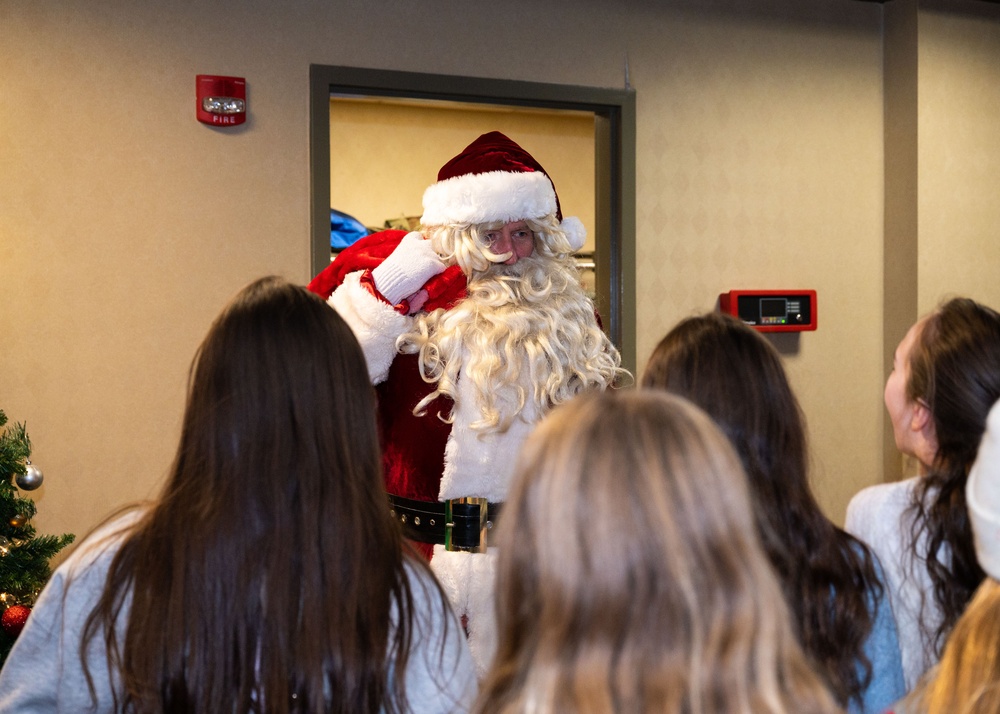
<point x="772" y="310"/>
<point x="222" y="101"/>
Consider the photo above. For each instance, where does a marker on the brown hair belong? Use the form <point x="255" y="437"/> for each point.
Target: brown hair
<point x="630" y="577"/>
<point x="828" y="576"/>
<point x="265" y="575"/>
<point x="954" y="368"/>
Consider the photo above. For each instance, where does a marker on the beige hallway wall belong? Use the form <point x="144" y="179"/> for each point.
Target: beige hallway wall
<point x="959" y="153"/>
<point x="125" y="224"/>
<point x="761" y="167"/>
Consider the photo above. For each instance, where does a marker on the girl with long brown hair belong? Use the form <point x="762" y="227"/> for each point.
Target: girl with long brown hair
<point x="830" y="580"/>
<point x="967" y="679"/>
<point x="945" y="378"/>
<point x="630" y="575"/>
<point x="269" y="575"/>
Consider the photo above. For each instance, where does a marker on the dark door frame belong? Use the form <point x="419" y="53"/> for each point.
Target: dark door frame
<point x="614" y="151"/>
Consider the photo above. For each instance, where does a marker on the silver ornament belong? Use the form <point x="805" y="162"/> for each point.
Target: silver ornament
<point x="31" y="478"/>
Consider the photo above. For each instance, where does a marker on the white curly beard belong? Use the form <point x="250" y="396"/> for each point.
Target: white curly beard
<point x="525" y="334"/>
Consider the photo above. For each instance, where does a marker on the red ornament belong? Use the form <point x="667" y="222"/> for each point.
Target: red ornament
<point x="14" y="618"/>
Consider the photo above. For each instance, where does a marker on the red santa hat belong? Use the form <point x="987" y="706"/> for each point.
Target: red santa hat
<point x="495" y="180"/>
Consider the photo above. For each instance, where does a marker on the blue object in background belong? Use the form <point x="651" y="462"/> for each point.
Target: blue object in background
<point x="344" y="229"/>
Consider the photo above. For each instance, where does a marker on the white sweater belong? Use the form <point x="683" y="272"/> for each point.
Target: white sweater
<point x="877" y="515"/>
<point x="44" y="674"/>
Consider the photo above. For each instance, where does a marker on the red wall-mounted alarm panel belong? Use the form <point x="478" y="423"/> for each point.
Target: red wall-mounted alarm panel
<point x="222" y="101"/>
<point x="772" y="310"/>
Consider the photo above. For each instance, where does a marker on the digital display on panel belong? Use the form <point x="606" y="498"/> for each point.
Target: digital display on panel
<point x="773" y="307"/>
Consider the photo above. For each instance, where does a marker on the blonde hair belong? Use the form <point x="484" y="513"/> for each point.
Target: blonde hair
<point x="967" y="679"/>
<point x="526" y="335"/>
<point x="630" y="575"/>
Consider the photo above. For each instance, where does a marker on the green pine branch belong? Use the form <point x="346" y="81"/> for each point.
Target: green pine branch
<point x="15" y="448"/>
<point x="24" y="555"/>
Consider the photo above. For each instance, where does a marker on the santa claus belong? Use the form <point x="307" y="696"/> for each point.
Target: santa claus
<point x="473" y="328"/>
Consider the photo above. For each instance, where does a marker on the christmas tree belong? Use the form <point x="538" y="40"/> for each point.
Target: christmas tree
<point x="24" y="556"/>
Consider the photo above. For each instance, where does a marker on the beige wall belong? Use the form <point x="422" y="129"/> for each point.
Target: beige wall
<point x="959" y="154"/>
<point x="760" y="167"/>
<point x="125" y="224"/>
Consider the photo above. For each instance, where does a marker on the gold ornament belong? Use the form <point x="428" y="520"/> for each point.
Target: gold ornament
<point x="18" y="520"/>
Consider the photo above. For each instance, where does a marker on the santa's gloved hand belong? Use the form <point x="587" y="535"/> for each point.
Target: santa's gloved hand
<point x="407" y="268"/>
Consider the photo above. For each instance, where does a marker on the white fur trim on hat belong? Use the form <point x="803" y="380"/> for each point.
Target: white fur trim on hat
<point x="489" y="197"/>
<point x="575" y="231"/>
<point x="982" y="496"/>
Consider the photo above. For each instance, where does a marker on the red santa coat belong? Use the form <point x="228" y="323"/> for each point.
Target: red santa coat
<point x="413" y="447"/>
<point x="424" y="457"/>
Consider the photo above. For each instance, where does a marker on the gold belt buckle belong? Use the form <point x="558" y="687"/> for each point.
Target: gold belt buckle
<point x="463" y="543"/>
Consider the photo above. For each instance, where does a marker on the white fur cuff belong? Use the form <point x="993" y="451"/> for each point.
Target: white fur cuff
<point x="375" y="324"/>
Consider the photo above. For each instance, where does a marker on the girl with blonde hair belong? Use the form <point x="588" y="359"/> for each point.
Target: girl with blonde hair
<point x="630" y="575"/>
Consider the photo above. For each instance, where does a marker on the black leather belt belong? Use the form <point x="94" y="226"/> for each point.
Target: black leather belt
<point x="458" y="524"/>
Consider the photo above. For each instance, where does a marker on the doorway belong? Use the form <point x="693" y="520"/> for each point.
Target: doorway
<point x="384" y="132"/>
